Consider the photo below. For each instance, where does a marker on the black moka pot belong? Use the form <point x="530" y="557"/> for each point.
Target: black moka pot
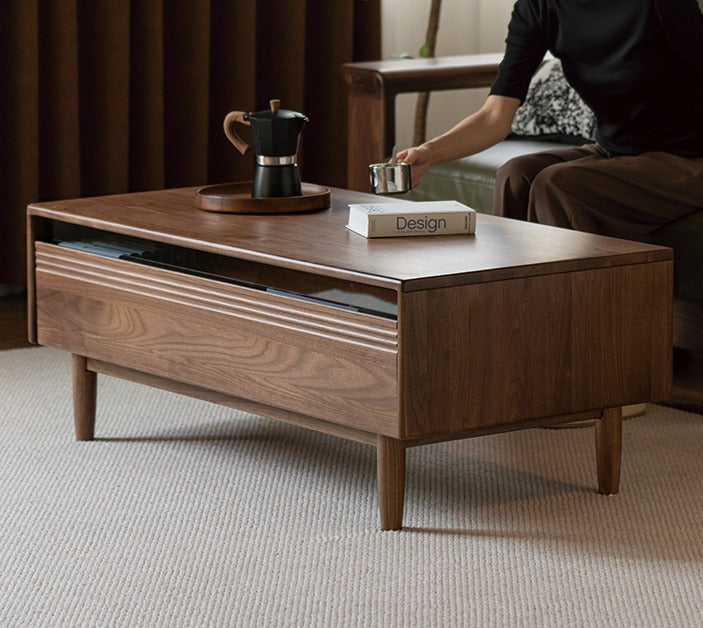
<point x="275" y="137"/>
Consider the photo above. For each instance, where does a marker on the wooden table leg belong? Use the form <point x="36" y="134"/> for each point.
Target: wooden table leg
<point x="84" y="398"/>
<point x="373" y="110"/>
<point x="390" y="465"/>
<point x="608" y="450"/>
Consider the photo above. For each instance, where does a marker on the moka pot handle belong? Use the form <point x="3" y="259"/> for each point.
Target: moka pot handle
<point x="228" y="125"/>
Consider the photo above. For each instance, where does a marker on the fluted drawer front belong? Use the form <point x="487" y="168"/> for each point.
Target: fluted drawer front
<point x="295" y="354"/>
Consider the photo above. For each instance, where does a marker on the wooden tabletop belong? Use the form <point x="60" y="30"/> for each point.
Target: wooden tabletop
<point x="319" y="242"/>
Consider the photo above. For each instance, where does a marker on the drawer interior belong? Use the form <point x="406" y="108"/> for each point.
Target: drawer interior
<point x="294" y="283"/>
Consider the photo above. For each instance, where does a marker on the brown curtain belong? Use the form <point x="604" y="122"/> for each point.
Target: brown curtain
<point x="109" y="96"/>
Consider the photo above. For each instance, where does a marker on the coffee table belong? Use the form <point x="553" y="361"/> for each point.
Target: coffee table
<point x="394" y="342"/>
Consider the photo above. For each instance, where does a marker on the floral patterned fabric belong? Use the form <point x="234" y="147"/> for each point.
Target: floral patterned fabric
<point x="552" y="109"/>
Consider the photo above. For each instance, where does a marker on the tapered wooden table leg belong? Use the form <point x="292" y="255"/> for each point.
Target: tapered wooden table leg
<point x="390" y="465"/>
<point x="84" y="398"/>
<point x="608" y="450"/>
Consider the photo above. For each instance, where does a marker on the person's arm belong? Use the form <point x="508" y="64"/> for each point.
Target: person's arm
<point x="526" y="44"/>
<point x="488" y="126"/>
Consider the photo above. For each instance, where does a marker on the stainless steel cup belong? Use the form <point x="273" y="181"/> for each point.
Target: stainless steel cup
<point x="387" y="178"/>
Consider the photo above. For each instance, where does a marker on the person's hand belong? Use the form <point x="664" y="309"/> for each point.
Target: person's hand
<point x="419" y="158"/>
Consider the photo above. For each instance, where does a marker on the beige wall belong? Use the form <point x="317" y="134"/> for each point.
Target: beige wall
<point x="466" y="27"/>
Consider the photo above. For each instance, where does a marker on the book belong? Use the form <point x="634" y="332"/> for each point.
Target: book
<point x="410" y="218"/>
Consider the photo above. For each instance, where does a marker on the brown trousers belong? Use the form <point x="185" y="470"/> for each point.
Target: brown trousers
<point x="588" y="190"/>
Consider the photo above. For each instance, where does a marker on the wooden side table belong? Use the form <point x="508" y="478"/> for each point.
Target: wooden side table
<point x="373" y="87"/>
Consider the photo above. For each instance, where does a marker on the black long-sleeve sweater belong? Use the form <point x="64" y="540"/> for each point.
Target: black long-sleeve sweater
<point x="638" y="64"/>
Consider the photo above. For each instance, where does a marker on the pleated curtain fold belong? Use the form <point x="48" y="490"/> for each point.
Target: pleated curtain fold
<point x="110" y="96"/>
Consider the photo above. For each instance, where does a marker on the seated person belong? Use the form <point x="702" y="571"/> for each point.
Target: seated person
<point x="638" y="64"/>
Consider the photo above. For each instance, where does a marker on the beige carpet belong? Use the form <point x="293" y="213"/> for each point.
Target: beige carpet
<point x="186" y="514"/>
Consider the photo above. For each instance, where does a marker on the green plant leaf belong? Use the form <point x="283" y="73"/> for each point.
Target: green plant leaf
<point x="424" y="51"/>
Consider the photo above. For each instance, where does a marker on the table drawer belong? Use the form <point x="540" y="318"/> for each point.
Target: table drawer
<point x="300" y="355"/>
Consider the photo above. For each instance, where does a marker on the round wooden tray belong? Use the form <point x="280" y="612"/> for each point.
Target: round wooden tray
<point x="235" y="198"/>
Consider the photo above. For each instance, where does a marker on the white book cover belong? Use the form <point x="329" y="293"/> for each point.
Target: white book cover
<point x="409" y="218"/>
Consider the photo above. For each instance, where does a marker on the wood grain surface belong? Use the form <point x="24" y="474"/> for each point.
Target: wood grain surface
<point x="320" y="243"/>
<point x="485" y="354"/>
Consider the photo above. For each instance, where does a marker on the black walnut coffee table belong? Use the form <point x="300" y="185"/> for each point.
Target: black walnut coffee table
<point x="393" y="342"/>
